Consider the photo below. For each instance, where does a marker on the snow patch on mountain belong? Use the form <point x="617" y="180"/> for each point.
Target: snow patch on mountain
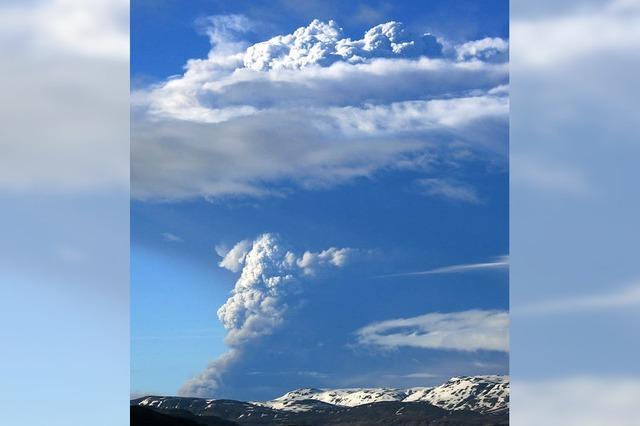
<point x="340" y="397"/>
<point x="297" y="405"/>
<point x="478" y="393"/>
<point x="484" y="394"/>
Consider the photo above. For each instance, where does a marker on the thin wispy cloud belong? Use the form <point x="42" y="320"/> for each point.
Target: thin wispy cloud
<point x="171" y="238"/>
<point x="501" y="262"/>
<point x="449" y="189"/>
<point x="461" y="331"/>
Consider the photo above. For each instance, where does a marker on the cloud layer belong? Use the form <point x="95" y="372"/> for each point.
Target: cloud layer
<point x="270" y="275"/>
<point x="462" y="331"/>
<point x="314" y="109"/>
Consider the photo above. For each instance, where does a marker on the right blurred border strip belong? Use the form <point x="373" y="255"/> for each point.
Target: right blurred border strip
<point x="575" y="275"/>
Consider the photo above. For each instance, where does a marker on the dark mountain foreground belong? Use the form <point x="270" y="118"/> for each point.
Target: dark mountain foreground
<point x="142" y="416"/>
<point x="230" y="412"/>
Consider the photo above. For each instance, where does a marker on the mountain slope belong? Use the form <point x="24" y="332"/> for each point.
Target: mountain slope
<point x="395" y="413"/>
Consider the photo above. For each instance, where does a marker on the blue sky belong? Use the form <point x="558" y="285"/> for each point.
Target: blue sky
<point x="347" y="188"/>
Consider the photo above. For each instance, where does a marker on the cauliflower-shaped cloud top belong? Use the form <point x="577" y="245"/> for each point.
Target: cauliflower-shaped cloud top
<point x="322" y="44"/>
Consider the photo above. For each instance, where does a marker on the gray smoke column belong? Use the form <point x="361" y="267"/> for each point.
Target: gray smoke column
<point x="270" y="276"/>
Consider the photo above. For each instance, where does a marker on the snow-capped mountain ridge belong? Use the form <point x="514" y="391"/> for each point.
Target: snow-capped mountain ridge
<point x="476" y="393"/>
<point x="483" y="395"/>
<point x="341" y="397"/>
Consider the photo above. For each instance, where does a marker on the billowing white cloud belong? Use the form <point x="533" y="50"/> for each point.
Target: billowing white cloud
<point x="311" y="109"/>
<point x="310" y="261"/>
<point x="270" y="275"/>
<point x="321" y="44"/>
<point x="463" y="331"/>
<point x="234" y="259"/>
<point x="257" y="303"/>
<point x="486" y="49"/>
